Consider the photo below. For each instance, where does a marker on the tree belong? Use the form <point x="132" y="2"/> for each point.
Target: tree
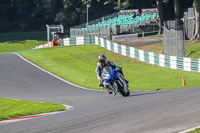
<point x="178" y="8"/>
<point x="164" y="14"/>
<point x="118" y="4"/>
<point x="21" y="15"/>
<point x="24" y="10"/>
<point x="196" y="28"/>
<point x="70" y="13"/>
<point x="161" y="14"/>
<point x="121" y="5"/>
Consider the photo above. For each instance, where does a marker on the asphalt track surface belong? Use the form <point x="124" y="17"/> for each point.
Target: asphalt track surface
<point x="95" y="111"/>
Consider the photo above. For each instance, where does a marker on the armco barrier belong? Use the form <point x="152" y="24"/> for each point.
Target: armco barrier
<point x="178" y="63"/>
<point x="78" y="41"/>
<point x="70" y="42"/>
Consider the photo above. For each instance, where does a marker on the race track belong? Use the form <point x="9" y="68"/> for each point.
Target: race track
<point x="95" y="111"/>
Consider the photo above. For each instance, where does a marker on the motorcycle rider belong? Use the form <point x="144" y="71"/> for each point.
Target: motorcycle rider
<point x="102" y="62"/>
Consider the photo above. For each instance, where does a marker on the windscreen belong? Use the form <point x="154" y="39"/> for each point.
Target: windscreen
<point x="106" y="70"/>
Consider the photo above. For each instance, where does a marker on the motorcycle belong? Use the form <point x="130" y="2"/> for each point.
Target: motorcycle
<point x="115" y="81"/>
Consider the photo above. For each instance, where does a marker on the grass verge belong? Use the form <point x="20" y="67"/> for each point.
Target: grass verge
<point x="156" y="48"/>
<point x="195" y="131"/>
<point x="192" y="49"/>
<point x="15" y="108"/>
<point x="77" y="64"/>
<point x="13" y="42"/>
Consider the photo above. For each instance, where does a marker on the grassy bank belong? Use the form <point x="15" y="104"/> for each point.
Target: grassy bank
<point x="77" y="64"/>
<point x="195" y="131"/>
<point x="14" y="108"/>
<point x="21" y="41"/>
<point x="192" y="49"/>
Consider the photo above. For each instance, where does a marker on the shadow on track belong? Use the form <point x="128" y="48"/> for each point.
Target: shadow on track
<point x="143" y="94"/>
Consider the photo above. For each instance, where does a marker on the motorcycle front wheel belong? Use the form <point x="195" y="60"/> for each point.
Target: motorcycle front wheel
<point x="121" y="90"/>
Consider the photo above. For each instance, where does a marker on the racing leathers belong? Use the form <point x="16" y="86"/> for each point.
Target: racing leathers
<point x="100" y="67"/>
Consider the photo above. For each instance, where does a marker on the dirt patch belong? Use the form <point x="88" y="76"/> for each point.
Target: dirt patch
<point x="140" y="42"/>
<point x="153" y="44"/>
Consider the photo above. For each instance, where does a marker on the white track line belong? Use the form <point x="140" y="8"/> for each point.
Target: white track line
<point x="189" y="130"/>
<point x="68" y="107"/>
<point x="55" y="75"/>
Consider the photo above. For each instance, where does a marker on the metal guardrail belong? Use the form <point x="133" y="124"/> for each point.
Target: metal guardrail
<point x="128" y="12"/>
<point x="149" y="10"/>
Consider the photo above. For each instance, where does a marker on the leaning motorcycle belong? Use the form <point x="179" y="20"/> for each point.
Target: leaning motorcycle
<point x="115" y="81"/>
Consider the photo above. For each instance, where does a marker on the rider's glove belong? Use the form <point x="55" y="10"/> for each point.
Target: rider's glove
<point x="117" y="69"/>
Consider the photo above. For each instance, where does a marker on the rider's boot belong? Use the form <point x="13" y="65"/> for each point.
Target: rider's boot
<point x="110" y="92"/>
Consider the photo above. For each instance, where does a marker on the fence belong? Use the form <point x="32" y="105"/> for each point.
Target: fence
<point x="70" y="42"/>
<point x="150" y="10"/>
<point x="188" y="23"/>
<point x="128" y="12"/>
<point x="174" y="62"/>
<point x="76" y="41"/>
<point x="102" y="31"/>
<point x="173" y="43"/>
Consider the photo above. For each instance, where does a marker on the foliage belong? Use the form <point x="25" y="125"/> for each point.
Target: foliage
<point x="33" y="15"/>
<point x="29" y="15"/>
<point x="196" y="28"/>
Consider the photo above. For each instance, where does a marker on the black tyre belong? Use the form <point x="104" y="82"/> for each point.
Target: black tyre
<point x="128" y="93"/>
<point x="121" y="89"/>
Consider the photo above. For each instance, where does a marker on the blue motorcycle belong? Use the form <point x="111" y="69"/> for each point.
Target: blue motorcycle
<point x="114" y="81"/>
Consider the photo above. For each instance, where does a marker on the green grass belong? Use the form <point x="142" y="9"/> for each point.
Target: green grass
<point x="13" y="42"/>
<point x="195" y="131"/>
<point x="15" y="108"/>
<point x="192" y="49"/>
<point x="77" y="64"/>
<point x="150" y="36"/>
<point x="156" y="48"/>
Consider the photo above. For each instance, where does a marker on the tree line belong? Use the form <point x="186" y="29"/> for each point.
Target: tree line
<point x="29" y="15"/>
<point x="179" y="7"/>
